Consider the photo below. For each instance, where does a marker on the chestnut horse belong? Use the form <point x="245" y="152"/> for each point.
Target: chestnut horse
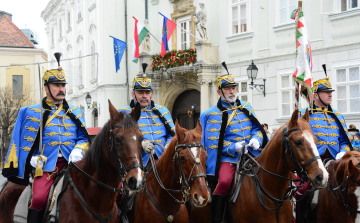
<point x="90" y="185"/>
<point x="264" y="194"/>
<point x="340" y="202"/>
<point x="180" y="169"/>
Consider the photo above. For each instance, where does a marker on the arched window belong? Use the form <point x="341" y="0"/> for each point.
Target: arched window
<point x="93" y="61"/>
<point x="80" y="69"/>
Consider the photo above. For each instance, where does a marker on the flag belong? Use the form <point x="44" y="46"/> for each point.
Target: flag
<point x="119" y="48"/>
<point x="304" y="63"/>
<point x="139" y="35"/>
<point x="168" y="29"/>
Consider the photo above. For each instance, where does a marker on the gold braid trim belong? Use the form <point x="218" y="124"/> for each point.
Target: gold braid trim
<point x="31" y="129"/>
<point x="55" y="143"/>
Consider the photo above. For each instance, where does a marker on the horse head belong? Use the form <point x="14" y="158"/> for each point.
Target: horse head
<point x="349" y="170"/>
<point x="190" y="157"/>
<point x="299" y="143"/>
<point x="125" y="144"/>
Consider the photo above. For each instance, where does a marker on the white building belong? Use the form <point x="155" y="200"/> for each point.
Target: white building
<point x="239" y="31"/>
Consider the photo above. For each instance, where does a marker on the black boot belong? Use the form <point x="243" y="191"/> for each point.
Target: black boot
<point x="35" y="216"/>
<point x="217" y="208"/>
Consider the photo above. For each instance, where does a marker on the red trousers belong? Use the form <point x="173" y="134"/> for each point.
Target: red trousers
<point x="41" y="186"/>
<point x="226" y="175"/>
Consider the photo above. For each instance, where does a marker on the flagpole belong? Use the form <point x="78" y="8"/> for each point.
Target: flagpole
<point x="297" y="86"/>
<point x="131" y="45"/>
<point x="154" y="37"/>
<point x="183" y="29"/>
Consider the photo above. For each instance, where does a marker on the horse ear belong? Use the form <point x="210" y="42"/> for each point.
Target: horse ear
<point x="352" y="166"/>
<point x="198" y="126"/>
<point x="114" y="114"/>
<point x="136" y="112"/>
<point x="179" y="131"/>
<point x="294" y="118"/>
<point x="306" y="116"/>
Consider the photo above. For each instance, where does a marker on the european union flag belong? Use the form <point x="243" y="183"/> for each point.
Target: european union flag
<point x="119" y="48"/>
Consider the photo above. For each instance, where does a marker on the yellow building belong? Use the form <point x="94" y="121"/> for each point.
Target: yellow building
<point x="19" y="59"/>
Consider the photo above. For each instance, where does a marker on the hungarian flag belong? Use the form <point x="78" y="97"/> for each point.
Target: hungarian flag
<point x="168" y="29"/>
<point x="304" y="63"/>
<point x="139" y="35"/>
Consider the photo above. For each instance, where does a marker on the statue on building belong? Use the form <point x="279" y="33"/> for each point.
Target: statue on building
<point x="201" y="22"/>
<point x="146" y="42"/>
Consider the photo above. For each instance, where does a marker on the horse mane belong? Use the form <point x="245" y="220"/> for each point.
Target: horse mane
<point x="344" y="162"/>
<point x="189" y="137"/>
<point x="95" y="152"/>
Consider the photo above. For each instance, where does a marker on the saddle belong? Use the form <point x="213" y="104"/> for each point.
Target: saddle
<point x="22" y="206"/>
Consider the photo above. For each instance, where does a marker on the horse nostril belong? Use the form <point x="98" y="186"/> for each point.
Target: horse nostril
<point x="319" y="178"/>
<point x="196" y="197"/>
<point x="132" y="183"/>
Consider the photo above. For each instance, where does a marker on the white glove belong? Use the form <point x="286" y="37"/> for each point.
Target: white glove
<point x="147" y="146"/>
<point x="339" y="155"/>
<point x="33" y="161"/>
<point x="75" y="155"/>
<point x="254" y="143"/>
<point x="166" y="146"/>
<point x="239" y="146"/>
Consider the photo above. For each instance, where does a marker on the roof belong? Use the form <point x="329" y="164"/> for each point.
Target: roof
<point x="11" y="35"/>
<point x="93" y="131"/>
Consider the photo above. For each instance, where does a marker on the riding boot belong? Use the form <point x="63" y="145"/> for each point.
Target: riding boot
<point x="217" y="208"/>
<point x="35" y="216"/>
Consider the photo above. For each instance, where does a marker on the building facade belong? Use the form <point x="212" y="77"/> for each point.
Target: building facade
<point x="239" y="32"/>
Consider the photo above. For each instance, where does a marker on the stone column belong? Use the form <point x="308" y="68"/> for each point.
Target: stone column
<point x="207" y="81"/>
<point x="145" y="58"/>
<point x="205" y="52"/>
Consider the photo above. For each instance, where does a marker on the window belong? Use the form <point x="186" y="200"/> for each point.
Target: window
<point x="17" y="86"/>
<point x="286" y="7"/>
<point x="80" y="69"/>
<point x="60" y="29"/>
<point x="348" y="90"/>
<point x="349" y="4"/>
<point x="96" y="115"/>
<point x="69" y="20"/>
<point x="79" y="8"/>
<point x="243" y="91"/>
<point x="239" y="23"/>
<point x="93" y="62"/>
<point x="287" y="96"/>
<point x="184" y="38"/>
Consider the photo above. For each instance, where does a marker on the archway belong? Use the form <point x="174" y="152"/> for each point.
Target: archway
<point x="186" y="108"/>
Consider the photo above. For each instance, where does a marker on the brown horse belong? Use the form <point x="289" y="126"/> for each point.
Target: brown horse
<point x="264" y="194"/>
<point x="340" y="202"/>
<point x="180" y="169"/>
<point x="90" y="185"/>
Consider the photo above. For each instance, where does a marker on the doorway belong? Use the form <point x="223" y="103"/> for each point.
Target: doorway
<point x="186" y="109"/>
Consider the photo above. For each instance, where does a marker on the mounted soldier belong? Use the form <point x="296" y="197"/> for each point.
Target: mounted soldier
<point x="230" y="129"/>
<point x="155" y="123"/>
<point x="61" y="133"/>
<point x="329" y="127"/>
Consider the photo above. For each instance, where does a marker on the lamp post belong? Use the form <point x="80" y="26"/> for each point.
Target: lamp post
<point x="252" y="71"/>
<point x="88" y="100"/>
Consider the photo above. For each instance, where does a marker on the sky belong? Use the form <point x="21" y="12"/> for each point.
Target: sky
<point x="27" y="14"/>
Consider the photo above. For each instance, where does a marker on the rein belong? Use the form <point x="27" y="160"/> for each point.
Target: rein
<point x="345" y="188"/>
<point x="291" y="190"/>
<point x="123" y="171"/>
<point x="185" y="182"/>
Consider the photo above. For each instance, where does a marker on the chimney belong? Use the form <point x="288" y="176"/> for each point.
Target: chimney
<point x="2" y="13"/>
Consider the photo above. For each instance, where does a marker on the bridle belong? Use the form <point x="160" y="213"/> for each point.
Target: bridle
<point x="184" y="181"/>
<point x="343" y="187"/>
<point x="249" y="171"/>
<point x="122" y="170"/>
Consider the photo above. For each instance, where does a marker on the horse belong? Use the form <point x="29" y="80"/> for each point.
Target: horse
<point x="340" y="202"/>
<point x="264" y="194"/>
<point x="90" y="186"/>
<point x="179" y="175"/>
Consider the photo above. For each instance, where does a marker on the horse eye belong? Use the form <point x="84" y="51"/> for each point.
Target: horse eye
<point x="118" y="140"/>
<point x="182" y="158"/>
<point x="298" y="142"/>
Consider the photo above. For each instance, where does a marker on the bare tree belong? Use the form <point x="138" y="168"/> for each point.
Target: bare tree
<point x="10" y="103"/>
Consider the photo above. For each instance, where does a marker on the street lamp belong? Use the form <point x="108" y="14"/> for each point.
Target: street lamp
<point x="88" y="99"/>
<point x="252" y="71"/>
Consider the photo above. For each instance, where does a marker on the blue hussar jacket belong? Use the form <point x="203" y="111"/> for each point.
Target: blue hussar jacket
<point x="239" y="127"/>
<point x="64" y="131"/>
<point x="331" y="136"/>
<point x="152" y="128"/>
